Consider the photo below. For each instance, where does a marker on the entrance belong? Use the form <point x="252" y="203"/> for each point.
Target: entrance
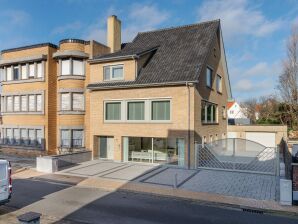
<point x="106" y="147"/>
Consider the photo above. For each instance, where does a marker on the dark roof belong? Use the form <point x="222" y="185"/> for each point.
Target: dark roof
<point x="29" y="47"/>
<point x="179" y="54"/>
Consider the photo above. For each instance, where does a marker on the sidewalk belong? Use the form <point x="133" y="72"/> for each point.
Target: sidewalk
<point x="264" y="206"/>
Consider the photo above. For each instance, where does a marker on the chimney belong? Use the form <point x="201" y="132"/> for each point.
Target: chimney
<point x="114" y="33"/>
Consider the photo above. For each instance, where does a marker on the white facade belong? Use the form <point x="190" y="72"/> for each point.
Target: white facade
<point x="236" y="111"/>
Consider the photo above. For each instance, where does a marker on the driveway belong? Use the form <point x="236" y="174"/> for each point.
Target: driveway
<point x="246" y="185"/>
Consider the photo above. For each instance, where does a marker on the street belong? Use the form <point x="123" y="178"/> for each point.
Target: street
<point x="72" y="204"/>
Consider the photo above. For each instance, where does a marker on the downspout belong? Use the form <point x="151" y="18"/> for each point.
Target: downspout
<point x="188" y="121"/>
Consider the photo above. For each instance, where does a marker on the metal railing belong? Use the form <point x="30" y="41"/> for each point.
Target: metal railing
<point x="238" y="155"/>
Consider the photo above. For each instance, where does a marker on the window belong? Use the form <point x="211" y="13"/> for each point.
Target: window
<point x="72" y="138"/>
<point x="8" y="74"/>
<point x="65" y="138"/>
<point x="65" y="101"/>
<point x="2" y="74"/>
<point x="24" y="103"/>
<point x="219" y="83"/>
<point x="77" y="138"/>
<point x="78" y="68"/>
<point x="9" y="104"/>
<point x="65" y="67"/>
<point x="38" y="136"/>
<point x="31" y="71"/>
<point x="16" y="73"/>
<point x="9" y="136"/>
<point x="160" y="110"/>
<point x="114" y="72"/>
<point x="24" y="135"/>
<point x="16" y="103"/>
<point x="38" y="102"/>
<point x="209" y="77"/>
<point x="72" y="102"/>
<point x="39" y="70"/>
<point x="113" y="111"/>
<point x="23" y="71"/>
<point x="78" y="101"/>
<point x="31" y="102"/>
<point x="31" y="136"/>
<point x="16" y="135"/>
<point x="208" y="112"/>
<point x="135" y="111"/>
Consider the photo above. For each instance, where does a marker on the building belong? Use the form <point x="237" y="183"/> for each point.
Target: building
<point x="235" y="111"/>
<point x="149" y="100"/>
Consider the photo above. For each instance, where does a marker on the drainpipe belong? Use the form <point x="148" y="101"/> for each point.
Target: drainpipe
<point x="188" y="121"/>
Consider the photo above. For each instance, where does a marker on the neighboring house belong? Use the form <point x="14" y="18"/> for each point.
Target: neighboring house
<point x="235" y="110"/>
<point x="150" y="101"/>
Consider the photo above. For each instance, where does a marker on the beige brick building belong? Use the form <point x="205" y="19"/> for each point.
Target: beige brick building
<point x="149" y="100"/>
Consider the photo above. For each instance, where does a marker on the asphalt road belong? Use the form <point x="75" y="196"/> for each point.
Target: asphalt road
<point x="86" y="205"/>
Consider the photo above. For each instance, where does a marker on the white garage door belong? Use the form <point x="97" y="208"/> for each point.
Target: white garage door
<point x="264" y="138"/>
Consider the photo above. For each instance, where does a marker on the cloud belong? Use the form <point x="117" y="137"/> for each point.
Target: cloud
<point x="263" y="69"/>
<point x="15" y="17"/>
<point x="238" y="18"/>
<point x="253" y="86"/>
<point x="139" y="17"/>
<point x="67" y="28"/>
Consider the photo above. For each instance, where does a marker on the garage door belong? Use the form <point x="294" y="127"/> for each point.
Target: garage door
<point x="232" y="134"/>
<point x="264" y="138"/>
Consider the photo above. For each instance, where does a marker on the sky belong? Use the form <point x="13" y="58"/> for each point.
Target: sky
<point x="255" y="32"/>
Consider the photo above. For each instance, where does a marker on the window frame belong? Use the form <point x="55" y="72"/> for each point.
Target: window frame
<point x="105" y="110"/>
<point x="211" y="77"/>
<point x="70" y="139"/>
<point x="71" y="102"/>
<point x="111" y="68"/>
<point x="127" y="113"/>
<point x="212" y="120"/>
<point x="170" y="112"/>
<point x="219" y="88"/>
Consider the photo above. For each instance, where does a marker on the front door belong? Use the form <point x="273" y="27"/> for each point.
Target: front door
<point x="106" y="147"/>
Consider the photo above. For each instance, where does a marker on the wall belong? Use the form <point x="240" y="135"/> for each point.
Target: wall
<point x="178" y="127"/>
<point x="280" y="130"/>
<point x="214" y="61"/>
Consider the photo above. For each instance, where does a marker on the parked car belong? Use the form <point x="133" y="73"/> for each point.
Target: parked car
<point x="5" y="181"/>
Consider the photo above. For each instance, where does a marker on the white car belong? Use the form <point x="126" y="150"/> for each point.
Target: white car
<point x="5" y="181"/>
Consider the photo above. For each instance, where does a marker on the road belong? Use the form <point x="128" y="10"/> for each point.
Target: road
<point x="86" y="205"/>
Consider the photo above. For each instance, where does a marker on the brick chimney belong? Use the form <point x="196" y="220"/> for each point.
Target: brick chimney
<point x="114" y="33"/>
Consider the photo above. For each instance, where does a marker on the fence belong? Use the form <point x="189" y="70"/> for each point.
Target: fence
<point x="238" y="155"/>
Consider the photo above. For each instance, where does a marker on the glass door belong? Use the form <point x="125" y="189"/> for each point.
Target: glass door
<point x="106" y="147"/>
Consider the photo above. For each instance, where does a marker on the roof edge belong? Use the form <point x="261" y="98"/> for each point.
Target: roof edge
<point x="134" y="86"/>
<point x="48" y="44"/>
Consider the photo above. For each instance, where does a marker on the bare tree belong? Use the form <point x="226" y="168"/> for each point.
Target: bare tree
<point x="288" y="79"/>
<point x="249" y="109"/>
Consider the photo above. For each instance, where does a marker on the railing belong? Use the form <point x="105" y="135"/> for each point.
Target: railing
<point x="237" y="154"/>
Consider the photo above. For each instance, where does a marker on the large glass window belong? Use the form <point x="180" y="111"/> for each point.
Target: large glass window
<point x="113" y="72"/>
<point x="16" y="135"/>
<point x="65" y="138"/>
<point x="9" y="136"/>
<point x="31" y="136"/>
<point x="135" y="111"/>
<point x="24" y="135"/>
<point x="160" y="110"/>
<point x="113" y="111"/>
<point x="156" y="150"/>
<point x="77" y="138"/>
<point x="39" y="137"/>
<point x="209" y="77"/>
<point x="72" y="67"/>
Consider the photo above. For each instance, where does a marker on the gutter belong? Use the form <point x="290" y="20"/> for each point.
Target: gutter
<point x="188" y="124"/>
<point x="132" y="86"/>
<point x="132" y="56"/>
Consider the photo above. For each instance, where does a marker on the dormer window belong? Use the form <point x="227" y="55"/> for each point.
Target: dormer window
<point x="113" y="72"/>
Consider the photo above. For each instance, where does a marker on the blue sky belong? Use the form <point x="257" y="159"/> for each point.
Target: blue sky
<point x="255" y="32"/>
